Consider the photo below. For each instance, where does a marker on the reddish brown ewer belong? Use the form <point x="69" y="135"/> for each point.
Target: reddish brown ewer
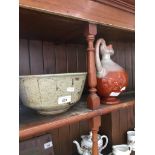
<point x="112" y="79"/>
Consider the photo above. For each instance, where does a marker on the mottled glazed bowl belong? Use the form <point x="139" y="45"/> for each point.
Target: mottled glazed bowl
<point x="51" y="93"/>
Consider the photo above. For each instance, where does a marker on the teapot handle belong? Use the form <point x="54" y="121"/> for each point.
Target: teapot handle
<point x="106" y="142"/>
<point x="130" y="148"/>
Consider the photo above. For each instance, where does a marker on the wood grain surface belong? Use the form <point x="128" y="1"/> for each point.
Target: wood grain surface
<point x="45" y="52"/>
<point x="85" y="10"/>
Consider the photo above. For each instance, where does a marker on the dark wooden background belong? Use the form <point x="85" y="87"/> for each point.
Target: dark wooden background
<point x="43" y="57"/>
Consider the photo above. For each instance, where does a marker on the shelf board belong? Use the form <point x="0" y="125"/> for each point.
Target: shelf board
<point x="86" y="10"/>
<point x="35" y="25"/>
<point x="33" y="124"/>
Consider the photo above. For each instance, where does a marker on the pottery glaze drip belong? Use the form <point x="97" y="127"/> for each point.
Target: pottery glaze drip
<point x="112" y="79"/>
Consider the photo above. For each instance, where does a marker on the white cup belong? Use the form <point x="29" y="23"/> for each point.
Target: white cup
<point x="131" y="139"/>
<point x="122" y="149"/>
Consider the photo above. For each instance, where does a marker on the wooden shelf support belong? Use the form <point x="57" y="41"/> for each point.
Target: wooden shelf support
<point x="95" y="123"/>
<point x="93" y="101"/>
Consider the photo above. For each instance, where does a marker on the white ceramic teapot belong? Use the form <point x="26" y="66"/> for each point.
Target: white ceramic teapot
<point x="122" y="149"/>
<point x="86" y="144"/>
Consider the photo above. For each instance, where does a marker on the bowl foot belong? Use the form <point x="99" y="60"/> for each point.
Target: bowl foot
<point x="52" y="112"/>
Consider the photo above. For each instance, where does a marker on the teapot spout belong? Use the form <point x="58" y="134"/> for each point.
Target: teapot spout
<point x="80" y="151"/>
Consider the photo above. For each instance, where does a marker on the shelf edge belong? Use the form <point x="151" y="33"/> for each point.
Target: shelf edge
<point x="57" y="8"/>
<point x="30" y="132"/>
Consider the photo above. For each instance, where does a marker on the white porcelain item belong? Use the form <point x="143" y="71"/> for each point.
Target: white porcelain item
<point x="131" y="139"/>
<point x="122" y="149"/>
<point x="51" y="93"/>
<point x="86" y="144"/>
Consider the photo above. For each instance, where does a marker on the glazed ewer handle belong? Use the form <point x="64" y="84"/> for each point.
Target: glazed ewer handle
<point x="99" y="66"/>
<point x="106" y="142"/>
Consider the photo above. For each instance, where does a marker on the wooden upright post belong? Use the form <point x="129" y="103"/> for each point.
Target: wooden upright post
<point x="93" y="101"/>
<point x="95" y="123"/>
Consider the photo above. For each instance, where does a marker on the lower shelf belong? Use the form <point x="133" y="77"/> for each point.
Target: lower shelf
<point x="33" y="124"/>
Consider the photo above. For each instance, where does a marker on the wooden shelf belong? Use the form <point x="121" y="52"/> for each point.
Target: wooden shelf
<point x="33" y="124"/>
<point x="86" y="10"/>
<point x="48" y="23"/>
<point x="35" y="25"/>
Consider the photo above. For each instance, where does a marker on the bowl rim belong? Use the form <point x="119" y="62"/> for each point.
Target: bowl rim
<point x="53" y="75"/>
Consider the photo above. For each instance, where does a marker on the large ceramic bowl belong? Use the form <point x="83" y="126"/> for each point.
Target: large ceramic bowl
<point x="51" y="93"/>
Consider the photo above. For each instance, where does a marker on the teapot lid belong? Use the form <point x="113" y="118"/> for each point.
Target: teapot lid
<point x="89" y="137"/>
<point x="87" y="140"/>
